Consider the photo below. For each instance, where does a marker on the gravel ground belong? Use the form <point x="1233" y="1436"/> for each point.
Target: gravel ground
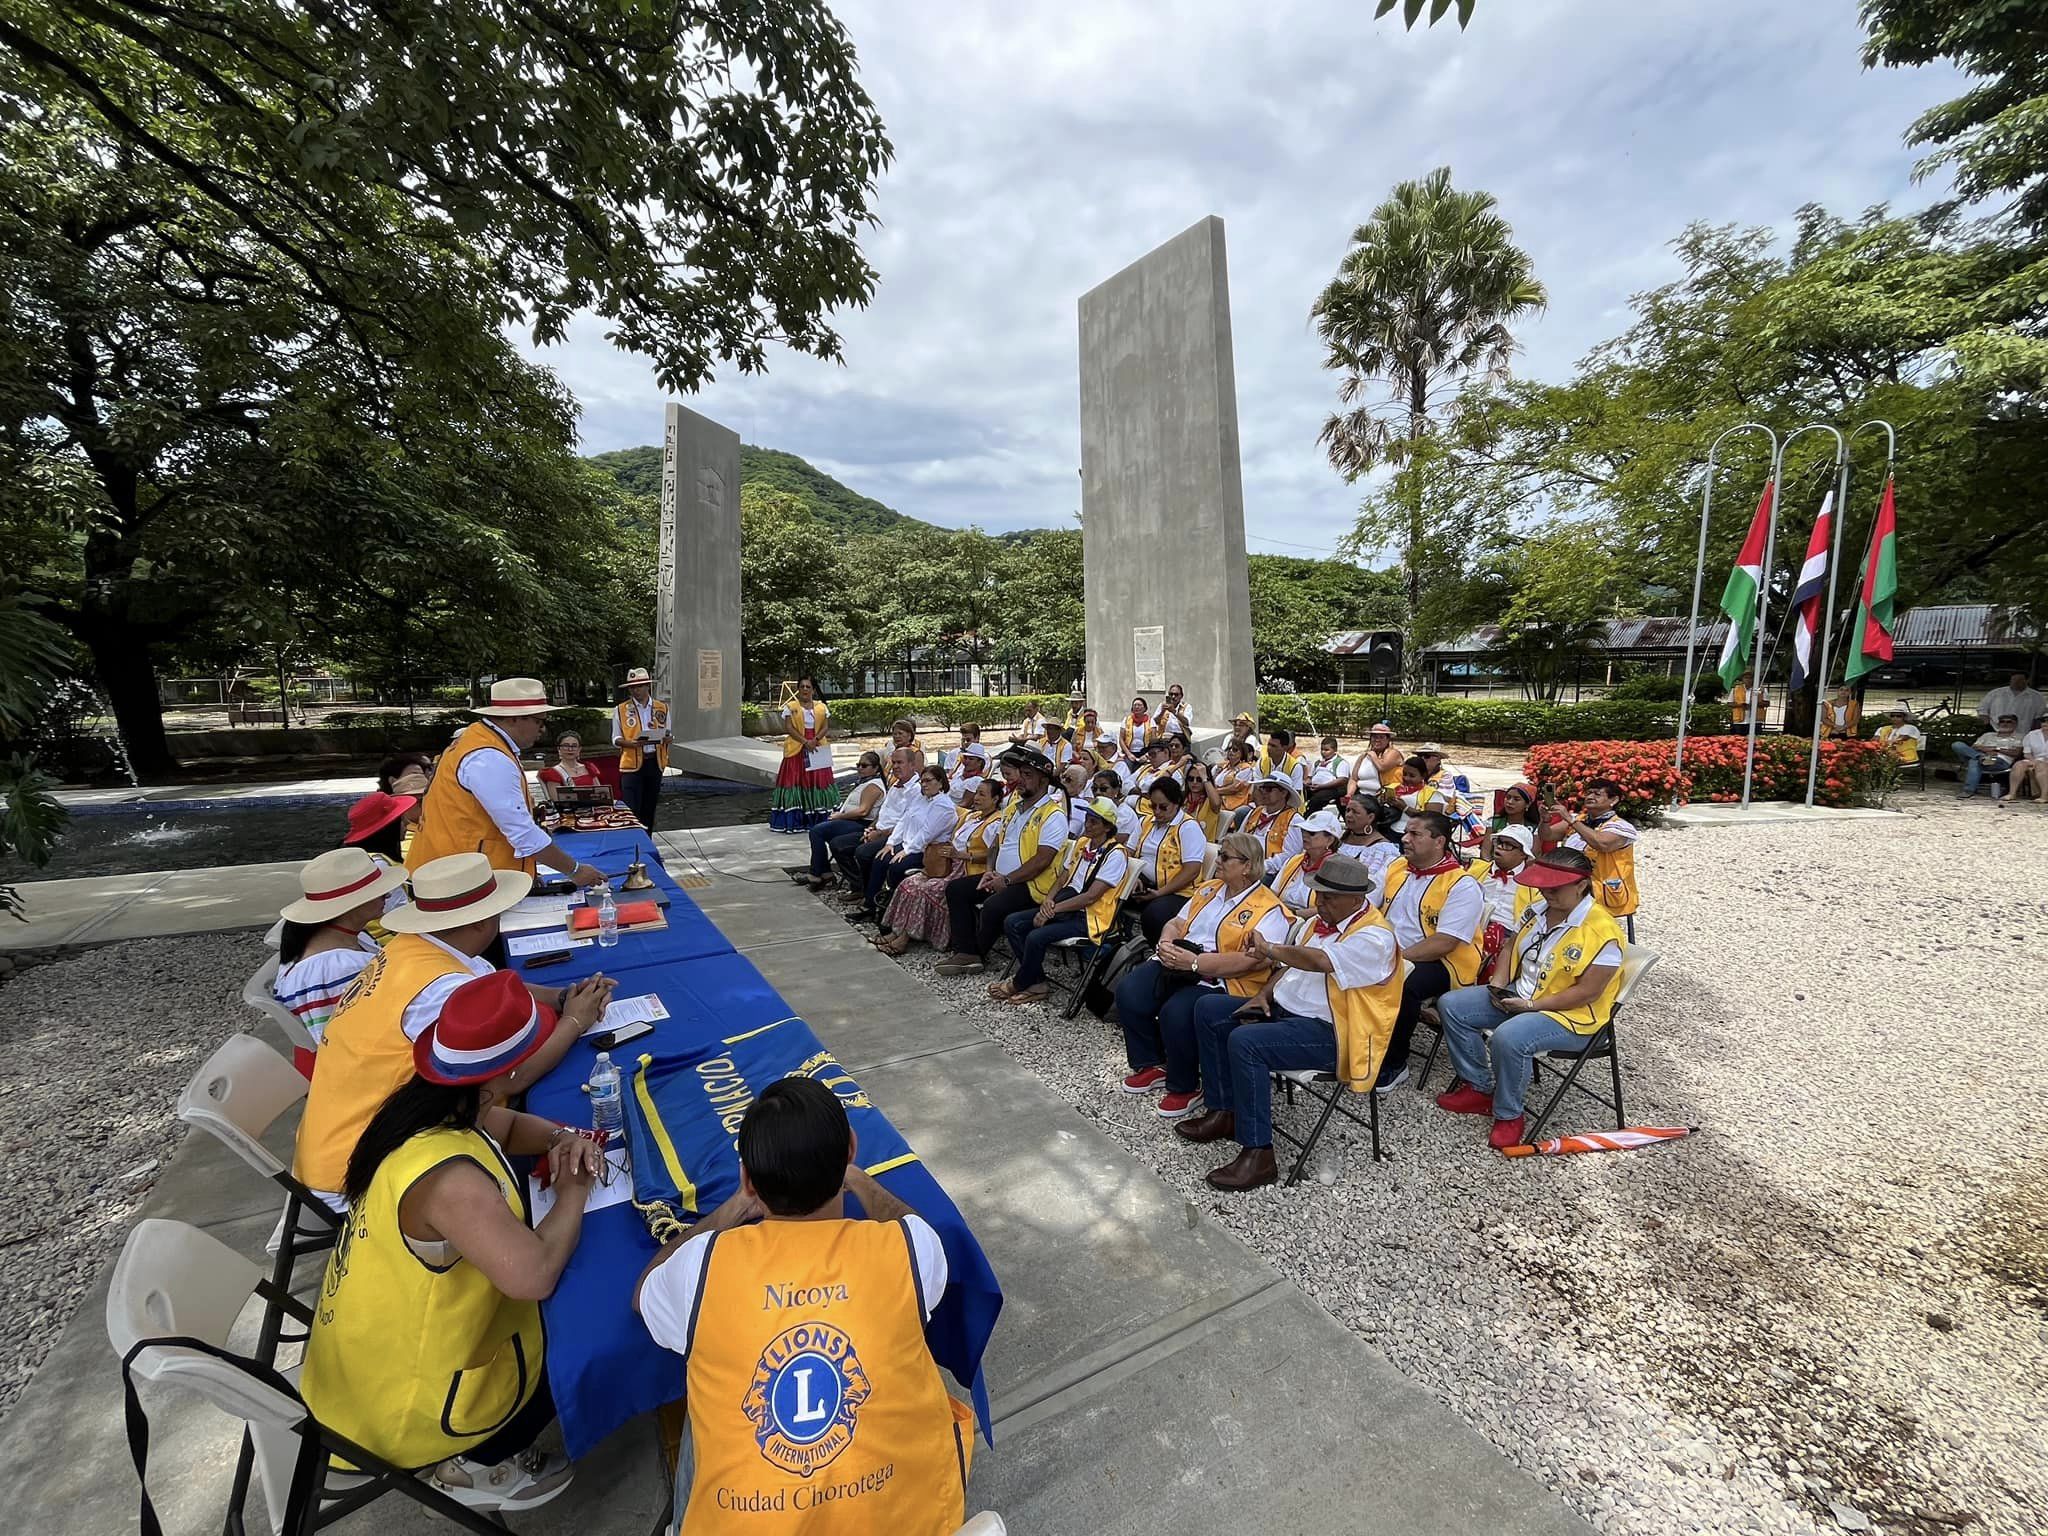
<point x="1830" y="1307"/>
<point x="94" y="1049"/>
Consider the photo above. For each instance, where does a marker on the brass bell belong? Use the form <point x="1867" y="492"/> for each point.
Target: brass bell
<point x="637" y="878"/>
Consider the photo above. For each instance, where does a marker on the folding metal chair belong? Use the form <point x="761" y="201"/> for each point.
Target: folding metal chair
<point x="1095" y="956"/>
<point x="1330" y="1092"/>
<point x="1600" y="1044"/>
<point x="174" y="1299"/>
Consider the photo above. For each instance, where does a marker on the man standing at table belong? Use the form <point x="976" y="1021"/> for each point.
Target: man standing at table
<point x="812" y="1396"/>
<point x="640" y="732"/>
<point x="478" y="800"/>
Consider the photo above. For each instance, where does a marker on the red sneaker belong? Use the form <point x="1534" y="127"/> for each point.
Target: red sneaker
<point x="1174" y="1105"/>
<point x="1466" y="1100"/>
<point x="1151" y="1080"/>
<point x="1506" y="1133"/>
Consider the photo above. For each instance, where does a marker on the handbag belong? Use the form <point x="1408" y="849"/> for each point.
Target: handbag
<point x="1170" y="982"/>
<point x="938" y="860"/>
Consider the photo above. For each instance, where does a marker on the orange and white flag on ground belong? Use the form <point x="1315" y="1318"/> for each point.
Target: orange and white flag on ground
<point x="1604" y="1141"/>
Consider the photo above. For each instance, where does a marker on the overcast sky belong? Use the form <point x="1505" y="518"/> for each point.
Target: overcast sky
<point x="1040" y="148"/>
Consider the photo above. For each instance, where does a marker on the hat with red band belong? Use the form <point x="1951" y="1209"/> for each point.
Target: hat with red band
<point x="487" y="1027"/>
<point x="457" y="890"/>
<point x="338" y="882"/>
<point x="512" y="697"/>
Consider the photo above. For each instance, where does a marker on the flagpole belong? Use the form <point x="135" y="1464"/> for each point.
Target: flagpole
<point x="1699" y="572"/>
<point x="1827" y="612"/>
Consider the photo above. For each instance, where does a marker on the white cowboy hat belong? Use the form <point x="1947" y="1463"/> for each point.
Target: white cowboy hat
<point x="340" y="881"/>
<point x="512" y="697"/>
<point x="636" y="677"/>
<point x="1283" y="782"/>
<point x="1428" y="749"/>
<point x="1324" y="821"/>
<point x="461" y="888"/>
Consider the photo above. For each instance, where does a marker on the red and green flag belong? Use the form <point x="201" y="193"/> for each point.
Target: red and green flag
<point x="1873" y="627"/>
<point x="1738" y="598"/>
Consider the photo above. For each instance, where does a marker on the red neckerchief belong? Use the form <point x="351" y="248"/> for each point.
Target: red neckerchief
<point x="1323" y="930"/>
<point x="1449" y="861"/>
<point x="1309" y="869"/>
<point x="1504" y="876"/>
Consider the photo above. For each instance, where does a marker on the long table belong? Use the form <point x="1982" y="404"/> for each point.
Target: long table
<point x="603" y="1366"/>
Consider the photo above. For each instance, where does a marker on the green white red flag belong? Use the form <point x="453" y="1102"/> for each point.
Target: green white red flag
<point x="1873" y="628"/>
<point x="1738" y="598"/>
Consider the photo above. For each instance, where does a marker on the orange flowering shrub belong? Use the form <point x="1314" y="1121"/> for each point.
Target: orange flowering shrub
<point x="1850" y="771"/>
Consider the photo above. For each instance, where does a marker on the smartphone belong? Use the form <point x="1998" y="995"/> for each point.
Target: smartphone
<point x="1500" y="994"/>
<point x="547" y="957"/>
<point x="612" y="1039"/>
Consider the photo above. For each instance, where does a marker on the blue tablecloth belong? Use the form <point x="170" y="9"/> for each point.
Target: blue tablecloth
<point x="603" y="1366"/>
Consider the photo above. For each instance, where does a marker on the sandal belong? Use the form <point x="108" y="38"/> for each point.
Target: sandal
<point x="1001" y="991"/>
<point x="1028" y="995"/>
<point x="894" y="945"/>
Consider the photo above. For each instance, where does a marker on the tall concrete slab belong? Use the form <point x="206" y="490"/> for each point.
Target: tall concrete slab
<point x="697" y="586"/>
<point x="1162" y="501"/>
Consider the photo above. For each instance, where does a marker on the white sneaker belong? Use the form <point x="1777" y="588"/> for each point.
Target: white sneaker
<point x="526" y="1481"/>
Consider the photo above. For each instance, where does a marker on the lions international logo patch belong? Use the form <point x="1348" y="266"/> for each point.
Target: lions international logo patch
<point x="806" y="1397"/>
<point x="1572" y="953"/>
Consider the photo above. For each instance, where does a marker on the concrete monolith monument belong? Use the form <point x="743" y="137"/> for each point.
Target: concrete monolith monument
<point x="697" y="586"/>
<point x="1162" y="502"/>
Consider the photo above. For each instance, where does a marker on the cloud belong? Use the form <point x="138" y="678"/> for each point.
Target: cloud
<point x="1041" y="148"/>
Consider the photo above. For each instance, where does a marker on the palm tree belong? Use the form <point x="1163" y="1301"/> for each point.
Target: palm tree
<point x="1421" y="301"/>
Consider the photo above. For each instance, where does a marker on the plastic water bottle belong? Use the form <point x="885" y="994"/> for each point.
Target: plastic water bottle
<point x="607" y="917"/>
<point x="607" y="1101"/>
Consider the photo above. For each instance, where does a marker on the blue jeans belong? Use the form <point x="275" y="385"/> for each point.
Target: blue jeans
<point x="1240" y="1056"/>
<point x="1029" y="944"/>
<point x="1503" y="1065"/>
<point x="1974" y="765"/>
<point x="828" y="837"/>
<point x="889" y="869"/>
<point x="1156" y="1035"/>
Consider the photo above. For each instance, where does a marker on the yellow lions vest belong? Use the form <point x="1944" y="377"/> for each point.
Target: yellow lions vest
<point x="631" y="753"/>
<point x="1027" y="845"/>
<point x="1362" y="1016"/>
<point x="814" y="1402"/>
<point x="1463" y="961"/>
<point x="452" y="820"/>
<point x="1286" y="878"/>
<point x="1614" y="879"/>
<point x="1569" y="958"/>
<point x="364" y="1055"/>
<point x="1166" y="859"/>
<point x="1245" y="914"/>
<point x="1074" y="860"/>
<point x="1273" y="831"/>
<point x="412" y="1363"/>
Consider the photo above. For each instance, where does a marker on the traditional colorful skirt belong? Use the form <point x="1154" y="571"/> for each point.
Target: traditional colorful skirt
<point x="803" y="796"/>
<point x="918" y="910"/>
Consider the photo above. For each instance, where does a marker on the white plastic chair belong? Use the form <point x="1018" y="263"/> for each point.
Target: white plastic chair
<point x="260" y="993"/>
<point x="175" y="1283"/>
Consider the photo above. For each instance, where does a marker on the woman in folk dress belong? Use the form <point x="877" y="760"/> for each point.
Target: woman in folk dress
<point x="804" y="792"/>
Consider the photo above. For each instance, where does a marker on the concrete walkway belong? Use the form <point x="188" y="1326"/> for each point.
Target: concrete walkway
<point x="1150" y="1373"/>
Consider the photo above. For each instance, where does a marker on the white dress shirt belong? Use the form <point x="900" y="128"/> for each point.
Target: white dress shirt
<point x="1464" y="906"/>
<point x="2026" y="703"/>
<point x="897" y="800"/>
<point x="929" y="820"/>
<point x="1289" y="845"/>
<point x="1614" y="826"/>
<point x="648" y="733"/>
<point x="499" y="784"/>
<point x="1335" y="771"/>
<point x="1360" y="956"/>
<point x="2036" y="745"/>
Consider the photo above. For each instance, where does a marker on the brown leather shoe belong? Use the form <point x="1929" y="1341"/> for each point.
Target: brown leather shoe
<point x="1253" y="1167"/>
<point x="1213" y="1126"/>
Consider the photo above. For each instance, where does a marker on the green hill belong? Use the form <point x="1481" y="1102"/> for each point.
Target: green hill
<point x="839" y="507"/>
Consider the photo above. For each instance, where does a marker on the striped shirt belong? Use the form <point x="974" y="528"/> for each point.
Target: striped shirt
<point x="312" y="985"/>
